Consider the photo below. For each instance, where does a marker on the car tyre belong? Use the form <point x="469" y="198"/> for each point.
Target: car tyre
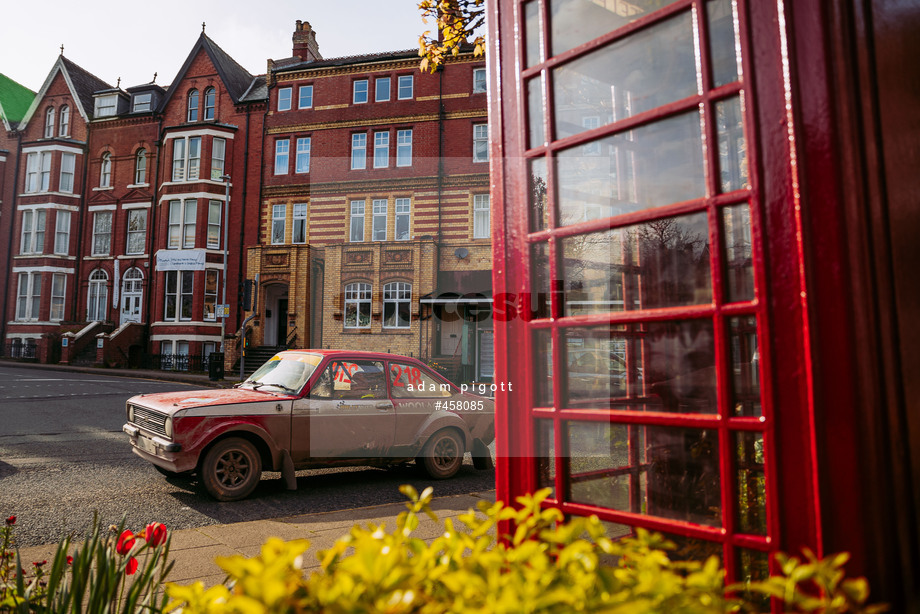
<point x="443" y="454"/>
<point x="231" y="469"/>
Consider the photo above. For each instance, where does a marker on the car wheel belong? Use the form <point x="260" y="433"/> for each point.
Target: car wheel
<point x="231" y="469"/>
<point x="443" y="454"/>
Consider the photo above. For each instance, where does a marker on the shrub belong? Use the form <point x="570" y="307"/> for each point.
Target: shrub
<point x="546" y="565"/>
<point x="102" y="575"/>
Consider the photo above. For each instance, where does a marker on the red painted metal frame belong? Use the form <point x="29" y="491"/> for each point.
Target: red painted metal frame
<point x="779" y="304"/>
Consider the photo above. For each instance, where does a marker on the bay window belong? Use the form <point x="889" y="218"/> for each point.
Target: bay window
<point x="179" y="293"/>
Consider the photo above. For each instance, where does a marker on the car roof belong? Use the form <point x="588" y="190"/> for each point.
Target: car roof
<point x="350" y="354"/>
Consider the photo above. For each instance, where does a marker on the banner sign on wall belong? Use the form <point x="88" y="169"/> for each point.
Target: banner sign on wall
<point x="180" y="260"/>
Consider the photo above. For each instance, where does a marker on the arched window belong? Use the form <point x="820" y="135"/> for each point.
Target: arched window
<point x="140" y="167"/>
<point x="193" y="106"/>
<point x="397" y="305"/>
<point x="98" y="296"/>
<point x="209" y="98"/>
<point x="105" y="175"/>
<point x="65" y="121"/>
<point x="49" y="123"/>
<point x="133" y="280"/>
<point x="358" y="305"/>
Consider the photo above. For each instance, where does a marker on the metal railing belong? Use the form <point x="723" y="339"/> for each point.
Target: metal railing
<point x="176" y="362"/>
<point x="24" y="351"/>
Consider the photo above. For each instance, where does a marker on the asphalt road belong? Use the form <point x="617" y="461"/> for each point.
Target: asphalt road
<point x="63" y="458"/>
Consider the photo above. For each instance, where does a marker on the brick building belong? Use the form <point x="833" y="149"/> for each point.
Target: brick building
<point x="359" y="206"/>
<point x="374" y="230"/>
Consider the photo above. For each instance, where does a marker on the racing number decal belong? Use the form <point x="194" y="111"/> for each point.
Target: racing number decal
<point x="413" y="375"/>
<point x="344" y="370"/>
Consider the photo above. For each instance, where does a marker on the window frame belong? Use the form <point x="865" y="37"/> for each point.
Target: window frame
<point x="218" y="158"/>
<point x="483" y="80"/>
<point x="49" y="122"/>
<point x="356" y="221"/>
<point x="140" y="167"/>
<point x="57" y="297"/>
<point x="210" y="104"/>
<point x="403" y="215"/>
<point x="215" y="226"/>
<point x="285" y="98"/>
<point x="377" y="93"/>
<point x="134" y="214"/>
<point x="279" y="221"/>
<point x="479" y="212"/>
<point x="480" y="143"/>
<point x="379" y="219"/>
<point x="358" y="151"/>
<point x="106" y="106"/>
<point x="404" y="147"/>
<point x="62" y="232"/>
<point x="142" y="102"/>
<point x="186" y="162"/>
<point x="300" y="97"/>
<point x="28" y="296"/>
<point x="97" y="295"/>
<point x="382" y="149"/>
<point x="44" y="171"/>
<point x="393" y="298"/>
<point x="181" y="227"/>
<point x="282" y="156"/>
<point x="32" y="237"/>
<point x="299" y="224"/>
<point x="210" y="297"/>
<point x="105" y="171"/>
<point x="359" y="92"/>
<point x="302" y="155"/>
<point x="101" y="235"/>
<point x="182" y="293"/>
<point x="64" y="129"/>
<point x="401" y="88"/>
<point x="360" y="295"/>
<point x="68" y="171"/>
<point x="191" y="106"/>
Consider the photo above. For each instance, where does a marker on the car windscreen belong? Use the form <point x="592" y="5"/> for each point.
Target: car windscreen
<point x="288" y="373"/>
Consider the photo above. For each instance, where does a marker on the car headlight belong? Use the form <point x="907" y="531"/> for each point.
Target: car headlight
<point x="168" y="427"/>
<point x="130" y="411"/>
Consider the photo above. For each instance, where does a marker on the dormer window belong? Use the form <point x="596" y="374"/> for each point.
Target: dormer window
<point x="49" y="123"/>
<point x="65" y="121"/>
<point x="106" y="105"/>
<point x="193" y="106"/>
<point x="209" y="99"/>
<point x="143" y="102"/>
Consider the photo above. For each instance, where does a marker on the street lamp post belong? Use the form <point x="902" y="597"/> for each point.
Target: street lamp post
<point x="223" y="299"/>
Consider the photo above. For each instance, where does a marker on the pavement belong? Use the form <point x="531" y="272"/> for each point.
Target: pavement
<point x="194" y="550"/>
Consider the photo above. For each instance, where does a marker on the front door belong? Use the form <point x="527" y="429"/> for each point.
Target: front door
<point x="281" y="321"/>
<point x="132" y="294"/>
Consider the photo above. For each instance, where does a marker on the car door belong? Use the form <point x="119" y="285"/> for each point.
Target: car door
<point x="345" y="415"/>
<point x="416" y="394"/>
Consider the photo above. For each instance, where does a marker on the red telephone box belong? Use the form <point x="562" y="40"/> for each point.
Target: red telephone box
<point x="670" y="181"/>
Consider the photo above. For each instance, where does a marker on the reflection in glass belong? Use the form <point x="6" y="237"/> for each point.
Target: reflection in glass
<point x="543" y="367"/>
<point x="692" y="549"/>
<point x="662" y="263"/>
<point x="745" y="367"/>
<point x="539" y="213"/>
<point x="750" y="483"/>
<point x="683" y="475"/>
<point x="656" y="366"/>
<point x="607" y="466"/>
<point x="574" y="22"/>
<point x="532" y="31"/>
<point x="723" y="41"/>
<point x="645" y="70"/>
<point x="754" y="566"/>
<point x="536" y="136"/>
<point x="657" y="164"/>
<point x="733" y="166"/>
<point x="739" y="267"/>
<point x="545" y="447"/>
<point x="539" y="267"/>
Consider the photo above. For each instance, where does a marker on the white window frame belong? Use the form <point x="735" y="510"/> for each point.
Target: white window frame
<point x="282" y="156"/>
<point x="482" y="228"/>
<point x="479" y="77"/>
<point x="302" y="159"/>
<point x="140" y="167"/>
<point x="210" y="104"/>
<point x="480" y="142"/>
<point x="396" y="294"/>
<point x="181" y="224"/>
<point x="32" y="164"/>
<point x="64" y="129"/>
<point x="380" y="96"/>
<point x="68" y="166"/>
<point x="211" y="287"/>
<point x="299" y="230"/>
<point x="186" y="158"/>
<point x="142" y="102"/>
<point x="357" y="297"/>
<point x="356" y="222"/>
<point x="62" y="232"/>
<point x="28" y="296"/>
<point x="305" y="95"/>
<point x="49" y="122"/>
<point x="97" y="296"/>
<point x="102" y="236"/>
<point x="215" y="211"/>
<point x="379" y="219"/>
<point x="191" y="106"/>
<point x="218" y="158"/>
<point x="32" y="240"/>
<point x="284" y="98"/>
<point x="136" y="235"/>
<point x="44" y="171"/>
<point x="404" y="147"/>
<point x="279" y="224"/>
<point x="180" y="285"/>
<point x="359" y="92"/>
<point x="358" y="151"/>
<point x="403" y="218"/>
<point x="382" y="149"/>
<point x="106" y="105"/>
<point x="58" y="292"/>
<point x="405" y="89"/>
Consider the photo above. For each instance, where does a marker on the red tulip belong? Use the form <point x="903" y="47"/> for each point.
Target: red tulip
<point x="69" y="560"/>
<point x="131" y="567"/>
<point x="10" y="521"/>
<point x="155" y="534"/>
<point x="125" y="542"/>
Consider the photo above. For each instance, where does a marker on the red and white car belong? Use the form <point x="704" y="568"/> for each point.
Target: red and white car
<point x="313" y="408"/>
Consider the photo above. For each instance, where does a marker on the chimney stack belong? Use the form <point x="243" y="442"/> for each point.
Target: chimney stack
<point x="305" y="46"/>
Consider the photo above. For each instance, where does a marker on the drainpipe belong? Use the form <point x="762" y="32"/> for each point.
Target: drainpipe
<point x="78" y="268"/>
<point x="9" y="243"/>
<point x="151" y="273"/>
